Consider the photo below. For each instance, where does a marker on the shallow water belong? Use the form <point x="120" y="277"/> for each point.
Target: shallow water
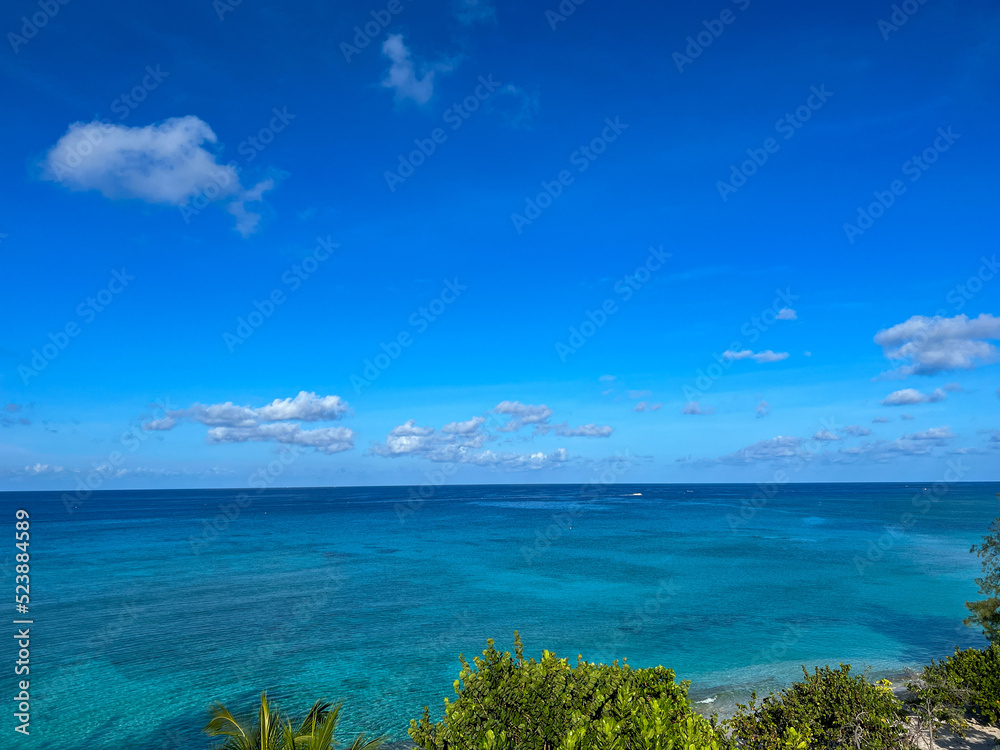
<point x="143" y="614"/>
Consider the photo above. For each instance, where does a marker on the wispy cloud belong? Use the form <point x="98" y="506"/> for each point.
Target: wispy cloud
<point x="472" y="12"/>
<point x="404" y="77"/>
<point x="759" y="357"/>
<point x="692" y="407"/>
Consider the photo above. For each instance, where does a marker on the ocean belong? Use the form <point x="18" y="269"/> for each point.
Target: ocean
<point x="146" y="606"/>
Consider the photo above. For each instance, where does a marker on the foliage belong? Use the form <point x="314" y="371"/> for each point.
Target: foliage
<point x="506" y="702"/>
<point x="986" y="612"/>
<point x="978" y="671"/>
<point x="269" y="730"/>
<point x="830" y="708"/>
<point x="937" y="702"/>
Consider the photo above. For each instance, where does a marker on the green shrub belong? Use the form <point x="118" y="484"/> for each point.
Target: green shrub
<point x="506" y="702"/>
<point x="830" y="708"/>
<point x="979" y="672"/>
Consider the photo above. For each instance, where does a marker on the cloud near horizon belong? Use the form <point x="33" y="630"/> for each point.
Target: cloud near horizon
<point x="692" y="407"/>
<point x="759" y="357"/>
<point x="464" y="442"/>
<point x="163" y="164"/>
<point x="462" y="446"/>
<point x="229" y="423"/>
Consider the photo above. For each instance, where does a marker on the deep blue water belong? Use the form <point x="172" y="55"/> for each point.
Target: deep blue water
<point x="362" y="595"/>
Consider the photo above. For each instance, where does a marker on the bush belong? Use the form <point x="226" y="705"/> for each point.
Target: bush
<point x="979" y="672"/>
<point x="506" y="702"/>
<point x="830" y="708"/>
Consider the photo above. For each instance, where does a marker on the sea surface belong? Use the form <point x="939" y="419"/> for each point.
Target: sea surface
<point x="149" y="605"/>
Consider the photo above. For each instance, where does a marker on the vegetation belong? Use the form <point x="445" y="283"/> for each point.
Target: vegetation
<point x="270" y="730"/>
<point x="978" y="672"/>
<point x="506" y="701"/>
<point x="986" y="612"/>
<point x="829" y="708"/>
<point x="937" y="702"/>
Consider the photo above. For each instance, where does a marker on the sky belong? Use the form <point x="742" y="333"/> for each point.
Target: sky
<point x="257" y="244"/>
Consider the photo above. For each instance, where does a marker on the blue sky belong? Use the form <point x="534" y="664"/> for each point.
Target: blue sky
<point x="405" y="243"/>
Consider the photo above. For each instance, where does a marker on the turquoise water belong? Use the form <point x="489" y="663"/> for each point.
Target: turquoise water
<point x="143" y="614"/>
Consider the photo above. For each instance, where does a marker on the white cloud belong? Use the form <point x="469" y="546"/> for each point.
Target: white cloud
<point x="230" y="423"/>
<point x="762" y="409"/>
<point x="787" y="313"/>
<point x="939" y="344"/>
<point x="953" y="387"/>
<point x="825" y="436"/>
<point x="402" y="75"/>
<point x="462" y="446"/>
<point x="522" y="414"/>
<point x="645" y="406"/>
<point x="775" y="448"/>
<point x="606" y="378"/>
<point x="39" y="469"/>
<point x="471" y="12"/>
<point x="469" y="427"/>
<point x="325" y="439"/>
<point x="856" y="430"/>
<point x="882" y="451"/>
<point x="880" y="420"/>
<point x="584" y="430"/>
<point x="167" y="423"/>
<point x="163" y="164"/>
<point x="306" y="406"/>
<point x="692" y="407"/>
<point x="760" y="357"/>
<point x="934" y="433"/>
<point x="906" y="416"/>
<point x="910" y="396"/>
